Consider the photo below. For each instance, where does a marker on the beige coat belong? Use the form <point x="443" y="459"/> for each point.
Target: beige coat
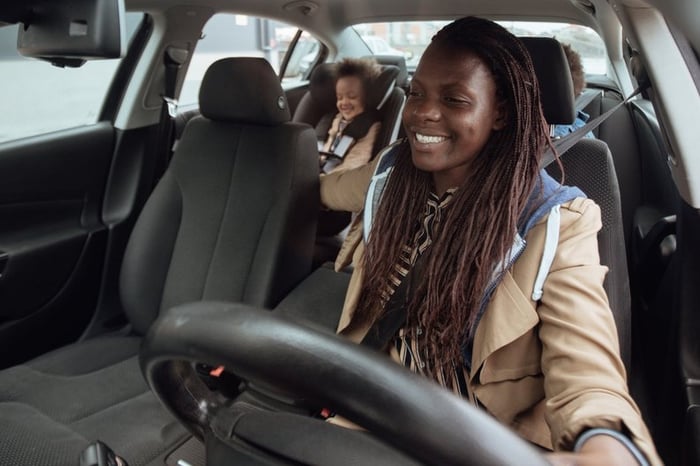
<point x="549" y="369"/>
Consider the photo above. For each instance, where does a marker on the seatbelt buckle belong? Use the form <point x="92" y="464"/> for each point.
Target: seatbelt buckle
<point x="99" y="454"/>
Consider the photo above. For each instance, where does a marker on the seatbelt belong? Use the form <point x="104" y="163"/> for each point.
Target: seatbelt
<point x="565" y="143"/>
<point x="394" y="316"/>
<point x="173" y="58"/>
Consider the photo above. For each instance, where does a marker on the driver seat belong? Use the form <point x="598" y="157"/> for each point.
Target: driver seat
<point x="229" y="220"/>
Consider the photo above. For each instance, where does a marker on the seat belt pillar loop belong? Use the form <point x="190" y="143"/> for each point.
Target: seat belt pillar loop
<point x="173" y="58"/>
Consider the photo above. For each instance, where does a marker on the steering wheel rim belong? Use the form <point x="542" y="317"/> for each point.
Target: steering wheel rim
<point x="358" y="384"/>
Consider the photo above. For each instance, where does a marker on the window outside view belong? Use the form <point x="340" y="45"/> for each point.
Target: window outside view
<point x="228" y="35"/>
<point x="75" y="94"/>
<point x="60" y="98"/>
<point x="411" y="38"/>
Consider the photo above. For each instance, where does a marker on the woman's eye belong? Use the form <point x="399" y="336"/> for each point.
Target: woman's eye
<point x="412" y="93"/>
<point x="455" y="100"/>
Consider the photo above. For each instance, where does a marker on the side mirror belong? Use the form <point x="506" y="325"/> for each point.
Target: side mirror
<point x="69" y="32"/>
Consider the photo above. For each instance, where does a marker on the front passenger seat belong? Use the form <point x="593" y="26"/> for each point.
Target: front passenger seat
<point x="231" y="219"/>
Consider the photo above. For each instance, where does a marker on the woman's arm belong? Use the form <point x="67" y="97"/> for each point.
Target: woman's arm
<point x="346" y="189"/>
<point x="585" y="382"/>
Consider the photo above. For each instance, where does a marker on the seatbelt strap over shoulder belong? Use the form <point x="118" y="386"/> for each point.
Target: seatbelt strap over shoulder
<point x="567" y="142"/>
<point x="173" y="58"/>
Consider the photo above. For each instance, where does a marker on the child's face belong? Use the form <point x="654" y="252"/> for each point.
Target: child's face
<point x="349" y="95"/>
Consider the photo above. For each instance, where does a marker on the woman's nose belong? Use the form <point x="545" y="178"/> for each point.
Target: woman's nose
<point x="425" y="109"/>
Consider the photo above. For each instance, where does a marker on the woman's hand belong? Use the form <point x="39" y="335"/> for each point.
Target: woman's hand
<point x="597" y="451"/>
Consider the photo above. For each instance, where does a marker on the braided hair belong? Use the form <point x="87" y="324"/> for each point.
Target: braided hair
<point x="481" y="222"/>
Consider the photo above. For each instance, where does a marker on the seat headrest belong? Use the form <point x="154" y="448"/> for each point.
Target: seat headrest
<point x="397" y="61"/>
<point x="244" y="90"/>
<point x="382" y="86"/>
<point x="322" y="86"/>
<point x="556" y="85"/>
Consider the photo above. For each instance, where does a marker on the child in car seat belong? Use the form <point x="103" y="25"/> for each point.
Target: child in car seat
<point x="355" y="127"/>
<point x="476" y="269"/>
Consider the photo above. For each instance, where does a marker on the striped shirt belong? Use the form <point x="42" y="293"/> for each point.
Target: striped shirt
<point x="404" y="346"/>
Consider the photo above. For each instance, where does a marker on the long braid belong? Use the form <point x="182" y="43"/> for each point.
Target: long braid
<point x="480" y="225"/>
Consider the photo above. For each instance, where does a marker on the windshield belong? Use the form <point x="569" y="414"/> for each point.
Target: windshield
<point x="412" y="37"/>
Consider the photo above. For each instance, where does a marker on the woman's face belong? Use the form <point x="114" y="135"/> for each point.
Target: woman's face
<point x="451" y="110"/>
<point x="349" y="96"/>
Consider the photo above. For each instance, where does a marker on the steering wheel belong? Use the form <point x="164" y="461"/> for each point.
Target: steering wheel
<point x="402" y="409"/>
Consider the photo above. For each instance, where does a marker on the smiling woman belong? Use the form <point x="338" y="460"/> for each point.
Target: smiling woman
<point x="448" y="216"/>
<point x="452" y="109"/>
<point x="493" y="268"/>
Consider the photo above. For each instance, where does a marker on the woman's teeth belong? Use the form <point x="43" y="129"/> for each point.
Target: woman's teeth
<point x="423" y="139"/>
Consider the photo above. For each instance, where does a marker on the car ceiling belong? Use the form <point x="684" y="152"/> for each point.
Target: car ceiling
<point x="326" y="17"/>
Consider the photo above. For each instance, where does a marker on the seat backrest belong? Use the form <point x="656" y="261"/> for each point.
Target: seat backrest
<point x="403" y="78"/>
<point x="230" y="219"/>
<point x="319" y="101"/>
<point x="588" y="165"/>
<point x="393" y="98"/>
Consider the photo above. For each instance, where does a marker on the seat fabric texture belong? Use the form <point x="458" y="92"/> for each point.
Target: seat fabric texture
<point x="233" y="218"/>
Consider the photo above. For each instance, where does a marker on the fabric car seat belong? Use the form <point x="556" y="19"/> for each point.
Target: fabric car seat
<point x="229" y="220"/>
<point x="402" y="79"/>
<point x="588" y="165"/>
<point x="317" y="106"/>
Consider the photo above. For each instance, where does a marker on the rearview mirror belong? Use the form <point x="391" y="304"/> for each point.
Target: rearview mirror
<point x="68" y="32"/>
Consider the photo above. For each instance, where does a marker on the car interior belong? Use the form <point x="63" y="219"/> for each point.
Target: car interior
<point x="167" y="285"/>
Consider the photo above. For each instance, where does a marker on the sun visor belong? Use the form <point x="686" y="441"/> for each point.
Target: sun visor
<point x="69" y="32"/>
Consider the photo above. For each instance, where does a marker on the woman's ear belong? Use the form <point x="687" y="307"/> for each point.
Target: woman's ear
<point x="501" y="116"/>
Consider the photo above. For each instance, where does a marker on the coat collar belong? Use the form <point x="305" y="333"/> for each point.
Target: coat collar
<point x="509" y="315"/>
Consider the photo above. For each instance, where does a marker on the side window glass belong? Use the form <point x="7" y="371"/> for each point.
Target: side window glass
<point x="231" y="35"/>
<point x="39" y="98"/>
<point x="302" y="58"/>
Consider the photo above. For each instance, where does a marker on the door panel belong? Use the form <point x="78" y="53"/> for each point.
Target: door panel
<point x="51" y="237"/>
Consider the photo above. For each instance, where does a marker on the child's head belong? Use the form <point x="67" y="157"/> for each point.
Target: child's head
<point x="353" y="78"/>
<point x="576" y="67"/>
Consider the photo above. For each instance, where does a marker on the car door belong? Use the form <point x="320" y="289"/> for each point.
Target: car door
<point x="57" y="145"/>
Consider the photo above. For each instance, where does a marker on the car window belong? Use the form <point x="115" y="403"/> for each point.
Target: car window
<point x="411" y="38"/>
<point x="302" y="58"/>
<point x="39" y="98"/>
<point x="231" y="35"/>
